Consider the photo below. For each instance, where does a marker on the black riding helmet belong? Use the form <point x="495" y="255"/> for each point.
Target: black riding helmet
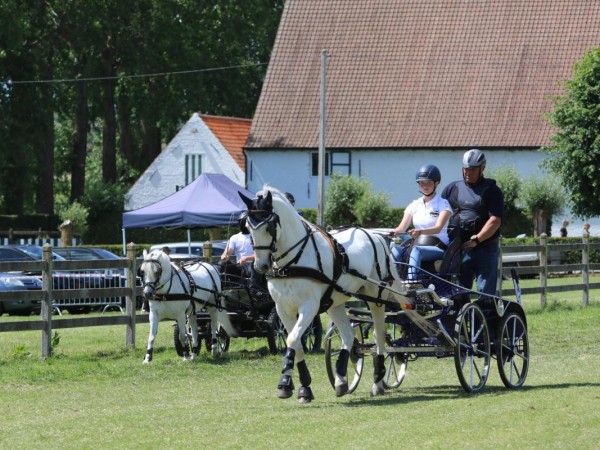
<point x="429" y="173"/>
<point x="242" y="222"/>
<point x="290" y="198"/>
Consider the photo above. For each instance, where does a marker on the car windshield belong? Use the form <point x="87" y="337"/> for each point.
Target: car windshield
<point x="105" y="254"/>
<point x="37" y="252"/>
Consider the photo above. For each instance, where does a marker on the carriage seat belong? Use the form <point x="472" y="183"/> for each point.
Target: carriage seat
<point x="450" y="262"/>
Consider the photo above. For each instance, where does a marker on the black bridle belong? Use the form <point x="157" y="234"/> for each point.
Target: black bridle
<point x="261" y="214"/>
<point x="154" y="285"/>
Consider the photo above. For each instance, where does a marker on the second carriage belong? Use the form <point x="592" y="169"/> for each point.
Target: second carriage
<point x="472" y="328"/>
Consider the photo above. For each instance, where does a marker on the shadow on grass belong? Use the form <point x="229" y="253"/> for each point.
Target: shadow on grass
<point x="452" y="392"/>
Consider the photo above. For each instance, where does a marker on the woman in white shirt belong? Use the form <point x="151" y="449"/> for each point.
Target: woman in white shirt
<point x="429" y="215"/>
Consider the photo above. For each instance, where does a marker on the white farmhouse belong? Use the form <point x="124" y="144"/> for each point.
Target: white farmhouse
<point x="205" y="144"/>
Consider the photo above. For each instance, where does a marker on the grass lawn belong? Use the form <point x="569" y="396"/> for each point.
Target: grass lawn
<point x="93" y="393"/>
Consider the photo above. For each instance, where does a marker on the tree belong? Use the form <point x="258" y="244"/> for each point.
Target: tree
<point x="351" y="201"/>
<point x="543" y="198"/>
<point x="575" y="150"/>
<point x="515" y="220"/>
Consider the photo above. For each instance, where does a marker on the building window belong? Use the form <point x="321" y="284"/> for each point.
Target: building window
<point x="340" y="162"/>
<point x="315" y="164"/>
<point x="193" y="167"/>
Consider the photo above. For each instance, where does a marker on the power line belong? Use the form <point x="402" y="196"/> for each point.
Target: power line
<point x="146" y="75"/>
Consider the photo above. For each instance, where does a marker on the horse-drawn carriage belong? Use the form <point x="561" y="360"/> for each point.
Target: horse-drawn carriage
<point x="397" y="321"/>
<point x="472" y="332"/>
<point x="211" y="304"/>
<point x="252" y="313"/>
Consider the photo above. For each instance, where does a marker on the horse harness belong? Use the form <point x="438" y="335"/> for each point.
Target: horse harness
<point x="341" y="262"/>
<point x="188" y="294"/>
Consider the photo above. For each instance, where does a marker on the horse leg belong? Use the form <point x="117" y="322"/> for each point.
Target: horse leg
<point x="285" y="386"/>
<point x="337" y="313"/>
<point x="182" y="323"/>
<point x="305" y="394"/>
<point x="151" y="336"/>
<point x="378" y="315"/>
<point x="194" y="327"/>
<point x="214" y="328"/>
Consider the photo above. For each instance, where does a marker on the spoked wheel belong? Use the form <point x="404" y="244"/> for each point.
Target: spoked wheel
<point x="472" y="351"/>
<point x="395" y="363"/>
<point x="223" y="341"/>
<point x="512" y="350"/>
<point x="333" y="345"/>
<point x="311" y="339"/>
<point x="177" y="342"/>
<point x="280" y="333"/>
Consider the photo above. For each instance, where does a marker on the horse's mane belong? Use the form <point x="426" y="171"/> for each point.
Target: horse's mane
<point x="278" y="197"/>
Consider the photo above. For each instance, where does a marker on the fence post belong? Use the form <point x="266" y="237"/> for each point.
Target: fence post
<point x="585" y="272"/>
<point x="47" y="302"/>
<point x="544" y="268"/>
<point x="130" y="300"/>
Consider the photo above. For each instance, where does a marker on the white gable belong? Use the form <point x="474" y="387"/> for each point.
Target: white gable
<point x="194" y="150"/>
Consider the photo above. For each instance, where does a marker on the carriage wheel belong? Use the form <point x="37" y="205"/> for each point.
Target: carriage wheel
<point x="472" y="351"/>
<point x="223" y="341"/>
<point x="311" y="339"/>
<point x="512" y="350"/>
<point x="177" y="342"/>
<point x="395" y="363"/>
<point x="279" y="331"/>
<point x="333" y="344"/>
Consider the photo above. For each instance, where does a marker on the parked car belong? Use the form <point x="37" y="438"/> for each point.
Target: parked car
<point x="18" y="282"/>
<point x="71" y="279"/>
<point x="181" y="250"/>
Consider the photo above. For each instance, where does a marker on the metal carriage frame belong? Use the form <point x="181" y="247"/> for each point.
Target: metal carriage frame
<point x="473" y="332"/>
<point x="252" y="312"/>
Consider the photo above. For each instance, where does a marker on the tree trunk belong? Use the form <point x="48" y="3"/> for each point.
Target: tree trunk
<point x="79" y="143"/>
<point x="125" y="132"/>
<point x="540" y="222"/>
<point x="45" y="184"/>
<point x="109" y="131"/>
<point x="151" y="142"/>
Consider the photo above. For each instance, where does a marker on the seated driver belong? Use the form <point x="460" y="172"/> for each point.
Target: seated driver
<point x="240" y="245"/>
<point x="429" y="214"/>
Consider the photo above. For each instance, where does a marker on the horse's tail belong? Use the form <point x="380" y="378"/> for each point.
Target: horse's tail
<point x="223" y="319"/>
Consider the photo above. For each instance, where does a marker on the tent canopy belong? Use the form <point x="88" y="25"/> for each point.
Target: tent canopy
<point x="211" y="200"/>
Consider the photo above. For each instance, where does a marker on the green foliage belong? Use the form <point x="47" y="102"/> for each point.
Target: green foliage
<point x="575" y="150"/>
<point x="76" y="213"/>
<point x="372" y="208"/>
<point x="351" y="201"/>
<point x="542" y="194"/>
<point x="515" y="219"/>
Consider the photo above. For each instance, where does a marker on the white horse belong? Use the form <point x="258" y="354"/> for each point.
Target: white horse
<point x="174" y="293"/>
<point x="308" y="272"/>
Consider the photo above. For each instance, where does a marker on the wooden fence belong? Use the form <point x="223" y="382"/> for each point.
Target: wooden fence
<point x="47" y="296"/>
<point x="549" y="261"/>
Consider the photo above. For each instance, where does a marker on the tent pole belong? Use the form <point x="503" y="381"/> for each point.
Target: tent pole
<point x="124" y="241"/>
<point x="189" y="233"/>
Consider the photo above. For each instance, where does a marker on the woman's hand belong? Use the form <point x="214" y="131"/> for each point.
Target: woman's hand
<point x="414" y="233"/>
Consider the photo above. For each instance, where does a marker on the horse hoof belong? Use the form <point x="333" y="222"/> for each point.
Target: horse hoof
<point x="341" y="389"/>
<point x="285" y="392"/>
<point x="305" y="395"/>
<point x="377" y="391"/>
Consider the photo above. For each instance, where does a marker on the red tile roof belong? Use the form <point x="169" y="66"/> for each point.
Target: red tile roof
<point x="232" y="132"/>
<point x="421" y="73"/>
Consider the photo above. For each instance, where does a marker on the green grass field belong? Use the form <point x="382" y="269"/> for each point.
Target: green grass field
<point x="95" y="394"/>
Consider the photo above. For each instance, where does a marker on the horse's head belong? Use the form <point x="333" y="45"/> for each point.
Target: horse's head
<point x="268" y="213"/>
<point x="156" y="264"/>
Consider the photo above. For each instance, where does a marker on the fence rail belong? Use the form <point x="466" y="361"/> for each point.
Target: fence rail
<point x="50" y="298"/>
<point x="546" y="253"/>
